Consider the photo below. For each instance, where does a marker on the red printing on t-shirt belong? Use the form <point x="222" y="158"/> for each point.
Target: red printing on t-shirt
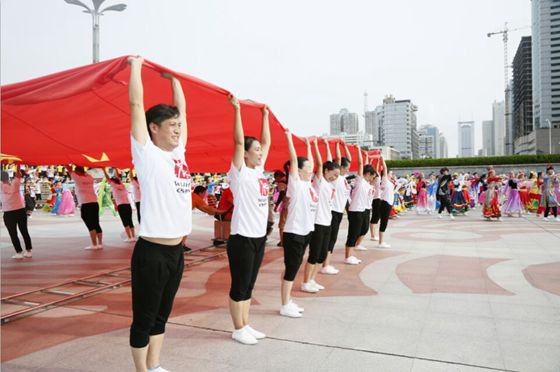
<point x="181" y="169"/>
<point x="263" y="184"/>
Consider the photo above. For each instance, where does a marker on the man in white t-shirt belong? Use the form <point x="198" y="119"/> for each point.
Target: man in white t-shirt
<point x="158" y="141"/>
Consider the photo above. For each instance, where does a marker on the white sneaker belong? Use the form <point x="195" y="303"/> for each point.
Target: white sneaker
<point x="317" y="285"/>
<point x="244" y="337"/>
<point x="557" y="219"/>
<point x="18" y="256"/>
<point x="309" y="287"/>
<point x="500" y="219"/>
<point x="158" y="369"/>
<point x="352" y="261"/>
<point x="290" y="311"/>
<point x="545" y="219"/>
<point x="384" y="245"/>
<point x="329" y="270"/>
<point x="300" y="309"/>
<point x="27" y="254"/>
<point x="375" y="239"/>
<point x="361" y="248"/>
<point x="452" y="216"/>
<point x="439" y="216"/>
<point x="466" y="213"/>
<point x="256" y="334"/>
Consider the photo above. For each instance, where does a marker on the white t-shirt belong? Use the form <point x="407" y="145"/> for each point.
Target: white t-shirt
<point x="250" y="199"/>
<point x="11" y="195"/>
<point x="377" y="188"/>
<point x="387" y="191"/>
<point x="341" y="195"/>
<point x="370" y="196"/>
<point x="120" y="192"/>
<point x="84" y="188"/>
<point x="165" y="181"/>
<point x="137" y="193"/>
<point x="326" y="193"/>
<point x="360" y="195"/>
<point x="302" y="207"/>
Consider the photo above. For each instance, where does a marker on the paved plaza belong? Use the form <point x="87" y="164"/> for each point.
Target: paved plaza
<point x="462" y="295"/>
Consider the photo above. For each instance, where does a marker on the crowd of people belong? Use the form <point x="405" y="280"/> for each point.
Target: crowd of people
<point x="310" y="195"/>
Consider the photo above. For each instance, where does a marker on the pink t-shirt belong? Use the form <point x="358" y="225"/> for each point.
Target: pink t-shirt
<point x="120" y="193"/>
<point x="11" y="195"/>
<point x="137" y="193"/>
<point x="84" y="188"/>
<point x="377" y="188"/>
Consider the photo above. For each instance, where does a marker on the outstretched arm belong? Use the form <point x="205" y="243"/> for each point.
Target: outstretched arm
<point x="107" y="175"/>
<point x="265" y="135"/>
<point x="309" y="153"/>
<point x="338" y="156"/>
<point x="360" y="162"/>
<point x="347" y="151"/>
<point x="329" y="155"/>
<point x="385" y="168"/>
<point x="319" y="171"/>
<point x="238" y="135"/>
<point x="138" y="126"/>
<point x="180" y="103"/>
<point x="293" y="157"/>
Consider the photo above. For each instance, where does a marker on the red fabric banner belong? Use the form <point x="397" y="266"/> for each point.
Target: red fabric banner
<point x="81" y="116"/>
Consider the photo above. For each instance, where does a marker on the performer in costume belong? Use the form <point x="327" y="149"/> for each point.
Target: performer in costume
<point x="513" y="202"/>
<point x="491" y="208"/>
<point x="422" y="205"/>
<point x="548" y="197"/>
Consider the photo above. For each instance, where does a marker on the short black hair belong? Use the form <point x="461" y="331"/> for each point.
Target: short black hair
<point x="344" y="162"/>
<point x="199" y="189"/>
<point x="279" y="173"/>
<point x="330" y="166"/>
<point x="368" y="168"/>
<point x="442" y="170"/>
<point x="248" y="142"/>
<point x="159" y="113"/>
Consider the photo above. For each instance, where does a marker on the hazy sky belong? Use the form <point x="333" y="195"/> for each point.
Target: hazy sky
<point x="305" y="58"/>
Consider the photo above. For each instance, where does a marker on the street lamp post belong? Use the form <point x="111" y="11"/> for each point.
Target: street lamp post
<point x="95" y="13"/>
<point x="549" y="136"/>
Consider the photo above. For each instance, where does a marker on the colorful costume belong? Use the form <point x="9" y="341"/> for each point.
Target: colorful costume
<point x="491" y="207"/>
<point x="513" y="203"/>
<point x="422" y="205"/>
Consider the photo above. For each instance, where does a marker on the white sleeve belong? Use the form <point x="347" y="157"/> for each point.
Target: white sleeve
<point x="138" y="151"/>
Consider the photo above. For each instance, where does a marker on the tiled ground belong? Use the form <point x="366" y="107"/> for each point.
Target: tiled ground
<point x="463" y="295"/>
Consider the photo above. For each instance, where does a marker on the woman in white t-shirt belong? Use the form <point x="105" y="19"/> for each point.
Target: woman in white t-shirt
<point x="137" y="196"/>
<point x="15" y="217"/>
<point x="386" y="204"/>
<point x="123" y="204"/>
<point x="300" y="223"/>
<point x="375" y="208"/>
<point x="357" y="221"/>
<point x="245" y="246"/>
<point x="367" y="211"/>
<point x="323" y="184"/>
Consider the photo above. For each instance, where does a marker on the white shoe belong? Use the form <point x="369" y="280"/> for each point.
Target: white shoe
<point x="557" y="219"/>
<point x="290" y="311"/>
<point x="466" y="213"/>
<point x="18" y="256"/>
<point x="361" y="248"/>
<point x="545" y="219"/>
<point x="256" y="334"/>
<point x="317" y="285"/>
<point x="375" y="239"/>
<point x="352" y="261"/>
<point x="500" y="219"/>
<point x="309" y="288"/>
<point x="300" y="309"/>
<point x="451" y="216"/>
<point x="439" y="216"/>
<point x="384" y="245"/>
<point x="329" y="270"/>
<point x="244" y="337"/>
<point x="158" y="369"/>
<point x="27" y="254"/>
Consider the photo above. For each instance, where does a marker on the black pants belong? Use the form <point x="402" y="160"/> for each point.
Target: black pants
<point x="554" y="210"/>
<point x="294" y="249"/>
<point x="375" y="211"/>
<point x="245" y="256"/>
<point x="444" y="204"/>
<point x="335" y="226"/>
<point x="355" y="223"/>
<point x="319" y="245"/>
<point x="365" y="223"/>
<point x="13" y="220"/>
<point x="384" y="213"/>
<point x="138" y="211"/>
<point x="125" y="213"/>
<point x="156" y="274"/>
<point x="90" y="215"/>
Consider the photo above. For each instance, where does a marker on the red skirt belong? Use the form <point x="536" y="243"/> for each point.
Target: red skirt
<point x="493" y="210"/>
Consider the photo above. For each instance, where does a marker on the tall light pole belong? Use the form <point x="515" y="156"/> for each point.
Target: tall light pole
<point x="95" y="13"/>
<point x="549" y="136"/>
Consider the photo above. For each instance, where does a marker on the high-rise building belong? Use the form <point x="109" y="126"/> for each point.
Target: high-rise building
<point x="488" y="137"/>
<point x="522" y="108"/>
<point x="466" y="138"/>
<point x="397" y="120"/>
<point x="443" y="147"/>
<point x="344" y="122"/>
<point x="373" y="127"/>
<point x="429" y="141"/>
<point x="545" y="62"/>
<point x="499" y="119"/>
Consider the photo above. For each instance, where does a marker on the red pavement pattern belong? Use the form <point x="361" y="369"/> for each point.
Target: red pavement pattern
<point x="544" y="276"/>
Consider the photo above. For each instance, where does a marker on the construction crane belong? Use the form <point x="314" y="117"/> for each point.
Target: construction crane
<point x="504" y="34"/>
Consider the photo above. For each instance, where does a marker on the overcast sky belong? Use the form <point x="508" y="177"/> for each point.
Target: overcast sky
<point x="305" y="58"/>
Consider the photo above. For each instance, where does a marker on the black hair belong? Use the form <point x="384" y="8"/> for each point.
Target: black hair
<point x="368" y="168"/>
<point x="330" y="166"/>
<point x="199" y="189"/>
<point x="301" y="161"/>
<point x="344" y="162"/>
<point x="549" y="168"/>
<point x="442" y="170"/>
<point x="248" y="142"/>
<point x="116" y="179"/>
<point x="159" y="113"/>
<point x="279" y="173"/>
